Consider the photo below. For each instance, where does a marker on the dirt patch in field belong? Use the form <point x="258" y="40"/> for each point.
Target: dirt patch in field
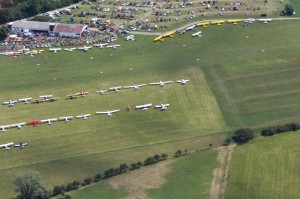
<point x="220" y="175"/>
<point x="138" y="181"/>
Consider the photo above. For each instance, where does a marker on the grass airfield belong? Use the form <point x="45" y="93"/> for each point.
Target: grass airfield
<point x="233" y="83"/>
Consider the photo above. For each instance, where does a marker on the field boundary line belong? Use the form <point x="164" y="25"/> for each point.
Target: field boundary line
<point x="276" y="108"/>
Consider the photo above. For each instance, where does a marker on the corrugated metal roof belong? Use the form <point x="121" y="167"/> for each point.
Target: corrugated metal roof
<point x="32" y="25"/>
<point x="70" y="28"/>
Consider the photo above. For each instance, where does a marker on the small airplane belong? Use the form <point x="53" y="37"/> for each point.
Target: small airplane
<point x="183" y="81"/>
<point x="21" y="145"/>
<point x="24" y="50"/>
<point x="162" y="106"/>
<point x="38" y="51"/>
<point x="33" y="122"/>
<point x="30" y="53"/>
<point x="18" y="125"/>
<point x="85" y="48"/>
<point x="161" y="83"/>
<point x="169" y="34"/>
<point x="69" y="49"/>
<point x="10" y="103"/>
<point x="11" y="53"/>
<point x="55" y="50"/>
<point x="218" y="23"/>
<point x="159" y="38"/>
<point x="100" y="45"/>
<point x="48" y="98"/>
<point x="197" y="34"/>
<point x="135" y="86"/>
<point x="6" y="146"/>
<point x="25" y="100"/>
<point x="234" y="21"/>
<point x="83" y="116"/>
<point x="203" y="24"/>
<point x="108" y="113"/>
<point x="71" y="97"/>
<point x="3" y="128"/>
<point x="49" y="121"/>
<point x="191" y="28"/>
<point x="250" y="20"/>
<point x="101" y="92"/>
<point x="116" y="89"/>
<point x="114" y="46"/>
<point x="143" y="107"/>
<point x="265" y="20"/>
<point x="66" y="118"/>
<point x="130" y="37"/>
<point x="37" y="101"/>
<point x="81" y="94"/>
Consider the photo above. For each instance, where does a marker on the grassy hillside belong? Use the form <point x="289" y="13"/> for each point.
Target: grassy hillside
<point x="266" y="168"/>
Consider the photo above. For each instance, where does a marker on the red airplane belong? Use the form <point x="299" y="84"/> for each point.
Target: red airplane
<point x="33" y="122"/>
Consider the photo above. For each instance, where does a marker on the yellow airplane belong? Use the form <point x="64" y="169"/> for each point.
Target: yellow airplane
<point x="159" y="38"/>
<point x="203" y="24"/>
<point x="234" y="21"/>
<point x="38" y="51"/>
<point x="169" y="34"/>
<point x="218" y="23"/>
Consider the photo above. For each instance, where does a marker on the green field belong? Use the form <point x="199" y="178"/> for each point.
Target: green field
<point x="266" y="168"/>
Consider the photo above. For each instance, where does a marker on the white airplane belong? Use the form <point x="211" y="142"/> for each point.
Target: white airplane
<point x="6" y="146"/>
<point x="108" y="113"/>
<point x="101" y="92"/>
<point x="12" y="53"/>
<point x="3" y="128"/>
<point x="161" y="83"/>
<point x="114" y="46"/>
<point x="162" y="106"/>
<point x="265" y="20"/>
<point x="191" y="28"/>
<point x="197" y="34"/>
<point x="30" y="53"/>
<point x="21" y="145"/>
<point x="183" y="81"/>
<point x="49" y="121"/>
<point x="143" y="107"/>
<point x="54" y="49"/>
<point x="10" y="102"/>
<point x="135" y="86"/>
<point x="24" y="49"/>
<point x="66" y="118"/>
<point x="130" y="37"/>
<point x="69" y="49"/>
<point x="100" y="45"/>
<point x="18" y="125"/>
<point x="83" y="116"/>
<point x="48" y="98"/>
<point x="116" y="89"/>
<point x="25" y="100"/>
<point x="250" y="20"/>
<point x="84" y="48"/>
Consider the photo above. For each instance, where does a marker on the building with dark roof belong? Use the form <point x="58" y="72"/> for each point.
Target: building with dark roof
<point x="69" y="30"/>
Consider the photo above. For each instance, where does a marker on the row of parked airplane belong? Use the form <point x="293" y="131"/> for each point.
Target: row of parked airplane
<point x="51" y="98"/>
<point x="85" y="48"/>
<point x="6" y="146"/>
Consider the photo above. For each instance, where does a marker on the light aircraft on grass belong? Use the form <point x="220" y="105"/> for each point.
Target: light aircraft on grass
<point x="162" y="106"/>
<point x="6" y="146"/>
<point x="14" y="54"/>
<point x="265" y="20"/>
<point x="10" y="103"/>
<point x="101" y="92"/>
<point x="18" y="125"/>
<point x="82" y="94"/>
<point x="49" y="121"/>
<point x="71" y="97"/>
<point x="203" y="24"/>
<point x="49" y="98"/>
<point x="130" y="37"/>
<point x="24" y="50"/>
<point x="250" y="20"/>
<point x="114" y="46"/>
<point x="66" y="118"/>
<point x="69" y="49"/>
<point x="143" y="107"/>
<point x="21" y="145"/>
<point x="169" y="34"/>
<point x="83" y="116"/>
<point x="197" y="34"/>
<point x="25" y="100"/>
<point x="38" y="51"/>
<point x="135" y="86"/>
<point x="183" y="81"/>
<point x="234" y="21"/>
<point x="116" y="89"/>
<point x="100" y="45"/>
<point x="85" y="48"/>
<point x="108" y="113"/>
<point x="3" y="128"/>
<point x="191" y="28"/>
<point x="218" y="23"/>
<point x="159" y="38"/>
<point x="54" y="50"/>
<point x="30" y="53"/>
<point x="161" y="83"/>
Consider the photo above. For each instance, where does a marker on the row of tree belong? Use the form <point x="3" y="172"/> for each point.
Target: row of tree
<point x="269" y="131"/>
<point x="12" y="10"/>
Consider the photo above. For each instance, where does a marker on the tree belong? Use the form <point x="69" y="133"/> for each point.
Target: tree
<point x="87" y="181"/>
<point x="30" y="186"/>
<point x="97" y="177"/>
<point x="243" y="135"/>
<point x="164" y="156"/>
<point x="58" y="190"/>
<point x="3" y="32"/>
<point x="289" y="9"/>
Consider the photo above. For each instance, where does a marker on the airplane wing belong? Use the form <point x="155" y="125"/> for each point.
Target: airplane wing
<point x="102" y="112"/>
<point x="113" y="111"/>
<point x="6" y="145"/>
<point x="129" y="87"/>
<point x="167" y="82"/>
<point x="80" y="48"/>
<point x="25" y="99"/>
<point x="54" y="49"/>
<point x="155" y="83"/>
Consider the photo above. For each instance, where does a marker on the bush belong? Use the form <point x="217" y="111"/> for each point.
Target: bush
<point x="269" y="131"/>
<point x="97" y="177"/>
<point x="243" y="135"/>
<point x="58" y="190"/>
<point x="87" y="181"/>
